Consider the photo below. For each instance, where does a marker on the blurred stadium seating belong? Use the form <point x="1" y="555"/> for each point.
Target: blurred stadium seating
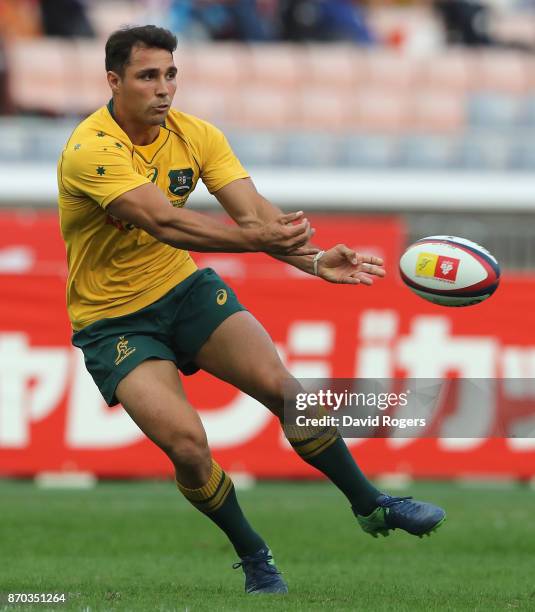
<point x="336" y="90"/>
<point x="409" y="104"/>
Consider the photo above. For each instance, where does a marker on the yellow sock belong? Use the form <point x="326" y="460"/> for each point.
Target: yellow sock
<point x="211" y="496"/>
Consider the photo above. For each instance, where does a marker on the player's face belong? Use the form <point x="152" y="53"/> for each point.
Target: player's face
<point x="148" y="85"/>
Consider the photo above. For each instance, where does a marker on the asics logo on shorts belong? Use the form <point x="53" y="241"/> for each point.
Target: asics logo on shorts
<point x="221" y="296"/>
<point x="123" y="350"/>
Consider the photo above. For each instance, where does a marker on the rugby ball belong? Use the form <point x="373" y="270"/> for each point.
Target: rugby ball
<point x="450" y="271"/>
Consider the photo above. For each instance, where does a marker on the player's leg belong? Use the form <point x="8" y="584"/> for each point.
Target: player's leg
<point x="153" y="396"/>
<point x="241" y="352"/>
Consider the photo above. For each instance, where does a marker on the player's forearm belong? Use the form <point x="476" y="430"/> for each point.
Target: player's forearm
<point x="146" y="208"/>
<point x="189" y="230"/>
<point x="264" y="211"/>
<point x="303" y="262"/>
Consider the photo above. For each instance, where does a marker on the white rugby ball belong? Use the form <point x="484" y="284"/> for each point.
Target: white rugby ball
<point x="450" y="271"/>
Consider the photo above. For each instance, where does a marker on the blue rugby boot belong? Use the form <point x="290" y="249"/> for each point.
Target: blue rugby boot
<point x="415" y="517"/>
<point x="261" y="574"/>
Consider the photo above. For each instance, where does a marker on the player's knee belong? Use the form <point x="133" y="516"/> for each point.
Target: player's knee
<point x="190" y="455"/>
<point x="273" y="384"/>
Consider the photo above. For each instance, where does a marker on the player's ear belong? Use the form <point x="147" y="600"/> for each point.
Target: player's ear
<point x="114" y="80"/>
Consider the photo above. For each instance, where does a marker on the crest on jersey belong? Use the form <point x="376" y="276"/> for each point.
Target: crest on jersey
<point x="180" y="181"/>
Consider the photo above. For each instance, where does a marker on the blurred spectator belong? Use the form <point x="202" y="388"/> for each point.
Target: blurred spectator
<point x="65" y="18"/>
<point x="325" y="20"/>
<point x="19" y="18"/>
<point x="4" y="91"/>
<point x="244" y="20"/>
<point x="467" y="22"/>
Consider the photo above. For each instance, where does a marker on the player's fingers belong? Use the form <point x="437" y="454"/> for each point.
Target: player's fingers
<point x="363" y="278"/>
<point x="290" y="217"/>
<point x="298" y="229"/>
<point x="371" y="259"/>
<point x="349" y="254"/>
<point x="350" y="280"/>
<point x="298" y="243"/>
<point x="372" y="269"/>
<point x="300" y="239"/>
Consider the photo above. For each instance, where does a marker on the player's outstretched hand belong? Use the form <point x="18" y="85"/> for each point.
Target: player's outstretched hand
<point x="342" y="265"/>
<point x="287" y="235"/>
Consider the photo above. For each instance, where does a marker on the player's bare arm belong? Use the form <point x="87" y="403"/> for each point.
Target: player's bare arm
<point x="146" y="207"/>
<point x="339" y="264"/>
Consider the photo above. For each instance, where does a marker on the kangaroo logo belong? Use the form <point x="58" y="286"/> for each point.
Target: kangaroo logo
<point x="221" y="296"/>
<point x="423" y="262"/>
<point x="123" y="350"/>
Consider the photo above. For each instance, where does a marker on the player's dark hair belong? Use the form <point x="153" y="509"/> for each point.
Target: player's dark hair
<point x="120" y="43"/>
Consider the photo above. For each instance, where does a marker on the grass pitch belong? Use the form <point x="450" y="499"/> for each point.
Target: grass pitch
<point x="142" y="547"/>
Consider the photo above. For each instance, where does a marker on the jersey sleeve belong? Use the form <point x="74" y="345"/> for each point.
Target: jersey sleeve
<point x="219" y="165"/>
<point x="100" y="172"/>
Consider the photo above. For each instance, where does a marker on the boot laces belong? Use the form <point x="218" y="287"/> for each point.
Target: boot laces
<point x="257" y="564"/>
<point x="392" y="501"/>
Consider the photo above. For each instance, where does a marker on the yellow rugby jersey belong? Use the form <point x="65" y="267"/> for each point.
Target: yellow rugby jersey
<point x="114" y="267"/>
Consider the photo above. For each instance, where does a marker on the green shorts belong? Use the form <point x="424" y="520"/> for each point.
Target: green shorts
<point x="174" y="328"/>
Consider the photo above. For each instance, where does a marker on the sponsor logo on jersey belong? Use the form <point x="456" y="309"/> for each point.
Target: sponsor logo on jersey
<point x="180" y="181"/>
<point x="123" y="350"/>
<point x="221" y="296"/>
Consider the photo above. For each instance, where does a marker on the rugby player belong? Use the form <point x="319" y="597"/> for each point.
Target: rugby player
<point x="141" y="310"/>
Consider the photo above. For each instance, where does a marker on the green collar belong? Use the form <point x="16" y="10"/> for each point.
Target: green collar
<point x="109" y="106"/>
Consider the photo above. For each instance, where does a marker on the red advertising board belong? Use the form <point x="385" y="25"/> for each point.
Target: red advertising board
<point x="52" y="417"/>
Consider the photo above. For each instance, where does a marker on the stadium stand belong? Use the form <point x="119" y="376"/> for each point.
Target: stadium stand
<point x="408" y="104"/>
<point x="345" y="89"/>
